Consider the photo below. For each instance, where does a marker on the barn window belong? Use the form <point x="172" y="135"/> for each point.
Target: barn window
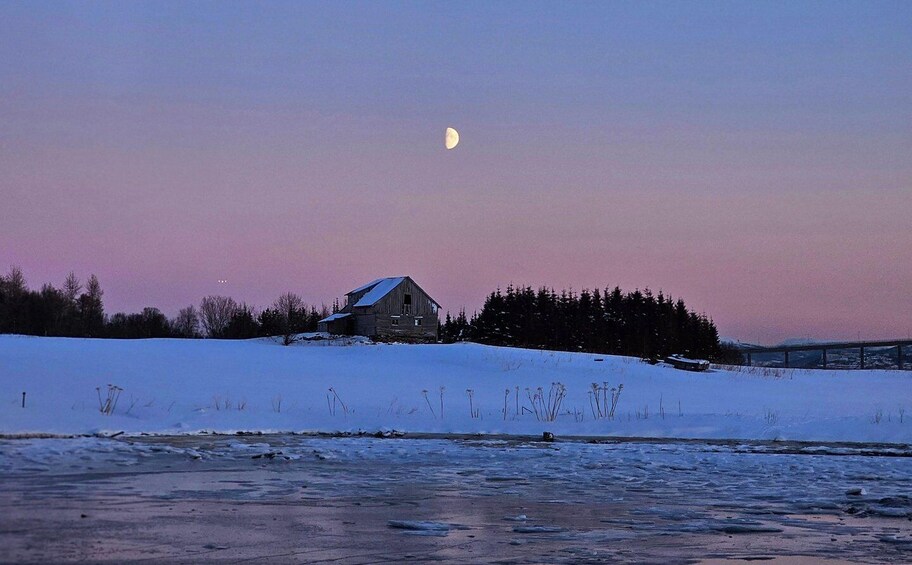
<point x="417" y="321"/>
<point x="394" y="320"/>
<point x="407" y="304"/>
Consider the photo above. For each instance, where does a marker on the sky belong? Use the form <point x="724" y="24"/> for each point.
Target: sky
<point x="752" y="158"/>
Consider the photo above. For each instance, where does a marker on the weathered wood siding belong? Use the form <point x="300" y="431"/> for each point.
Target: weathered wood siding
<point x="377" y="320"/>
<point x="340" y="327"/>
<point x="406" y="329"/>
<point x="393" y="304"/>
<point x="354" y="298"/>
<point x="365" y="322"/>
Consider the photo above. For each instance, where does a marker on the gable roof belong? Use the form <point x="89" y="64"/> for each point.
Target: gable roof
<point x="365" y="286"/>
<point x="381" y="287"/>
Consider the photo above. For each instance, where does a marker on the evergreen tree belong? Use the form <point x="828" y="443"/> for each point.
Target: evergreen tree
<point x="242" y="324"/>
<point x="91" y="309"/>
<point x="72" y="286"/>
<point x="150" y="323"/>
<point x="12" y="302"/>
<point x="637" y="323"/>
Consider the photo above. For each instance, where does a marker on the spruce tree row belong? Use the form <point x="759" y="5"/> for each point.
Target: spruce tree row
<point x="637" y="323"/>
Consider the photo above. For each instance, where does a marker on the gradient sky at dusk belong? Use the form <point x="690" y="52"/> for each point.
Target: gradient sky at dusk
<point x="754" y="158"/>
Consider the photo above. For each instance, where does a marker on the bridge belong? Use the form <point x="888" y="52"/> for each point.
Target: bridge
<point x="901" y="361"/>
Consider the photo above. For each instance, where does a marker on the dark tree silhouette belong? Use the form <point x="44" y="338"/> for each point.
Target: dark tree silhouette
<point x="637" y="323"/>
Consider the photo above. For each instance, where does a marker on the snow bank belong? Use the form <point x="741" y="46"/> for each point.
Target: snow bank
<point x="185" y="386"/>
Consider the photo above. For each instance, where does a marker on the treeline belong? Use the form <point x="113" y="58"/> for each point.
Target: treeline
<point x="77" y="310"/>
<point x="638" y="323"/>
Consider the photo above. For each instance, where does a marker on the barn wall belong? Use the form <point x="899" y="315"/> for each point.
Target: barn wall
<point x="393" y="304"/>
<point x="376" y="320"/>
<point x="342" y="326"/>
<point x="406" y="329"/>
<point x="365" y="323"/>
<point x="351" y="299"/>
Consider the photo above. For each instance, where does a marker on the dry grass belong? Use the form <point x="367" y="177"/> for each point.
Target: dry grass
<point x="754" y="370"/>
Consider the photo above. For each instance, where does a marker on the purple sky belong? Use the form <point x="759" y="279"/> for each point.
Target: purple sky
<point x="754" y="159"/>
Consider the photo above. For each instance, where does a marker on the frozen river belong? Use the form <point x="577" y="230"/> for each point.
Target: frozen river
<point x="368" y="500"/>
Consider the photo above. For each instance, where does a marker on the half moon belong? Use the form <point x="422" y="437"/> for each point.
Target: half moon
<point x="452" y="138"/>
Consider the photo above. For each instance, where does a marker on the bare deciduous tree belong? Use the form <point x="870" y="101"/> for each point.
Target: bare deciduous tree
<point x="187" y="322"/>
<point x="215" y="313"/>
<point x="291" y="310"/>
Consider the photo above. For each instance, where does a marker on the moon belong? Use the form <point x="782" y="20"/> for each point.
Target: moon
<point x="452" y="138"/>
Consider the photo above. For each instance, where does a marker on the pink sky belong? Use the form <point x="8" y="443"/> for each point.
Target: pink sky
<point x="769" y="189"/>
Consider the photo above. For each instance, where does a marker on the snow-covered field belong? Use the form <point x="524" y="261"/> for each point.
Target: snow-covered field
<point x="186" y="386"/>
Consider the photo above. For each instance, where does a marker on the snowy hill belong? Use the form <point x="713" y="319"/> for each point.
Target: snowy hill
<point x="186" y="386"/>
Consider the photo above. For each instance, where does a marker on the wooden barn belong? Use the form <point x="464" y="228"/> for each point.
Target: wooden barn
<point x="392" y="308"/>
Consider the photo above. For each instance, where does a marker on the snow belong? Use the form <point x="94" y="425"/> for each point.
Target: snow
<point x="381" y="289"/>
<point x="337" y="316"/>
<point x="173" y="386"/>
<point x="688" y="360"/>
<point x="366" y="286"/>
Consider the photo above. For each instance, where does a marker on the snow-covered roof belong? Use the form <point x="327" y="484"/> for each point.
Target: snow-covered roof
<point x="366" y="286"/>
<point x="333" y="317"/>
<point x="683" y="359"/>
<point x="381" y="287"/>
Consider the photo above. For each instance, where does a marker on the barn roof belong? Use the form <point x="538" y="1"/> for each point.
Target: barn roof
<point x="378" y="289"/>
<point x="366" y="286"/>
<point x="334" y="317"/>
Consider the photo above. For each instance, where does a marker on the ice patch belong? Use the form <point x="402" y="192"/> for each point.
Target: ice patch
<point x="517" y="518"/>
<point x="748" y="529"/>
<point x="419" y="525"/>
<point x="537" y="529"/>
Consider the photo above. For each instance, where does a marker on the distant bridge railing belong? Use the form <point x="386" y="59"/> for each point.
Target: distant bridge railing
<point x="901" y="361"/>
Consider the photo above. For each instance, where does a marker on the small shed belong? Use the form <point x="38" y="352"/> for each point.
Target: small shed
<point x="337" y="324"/>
